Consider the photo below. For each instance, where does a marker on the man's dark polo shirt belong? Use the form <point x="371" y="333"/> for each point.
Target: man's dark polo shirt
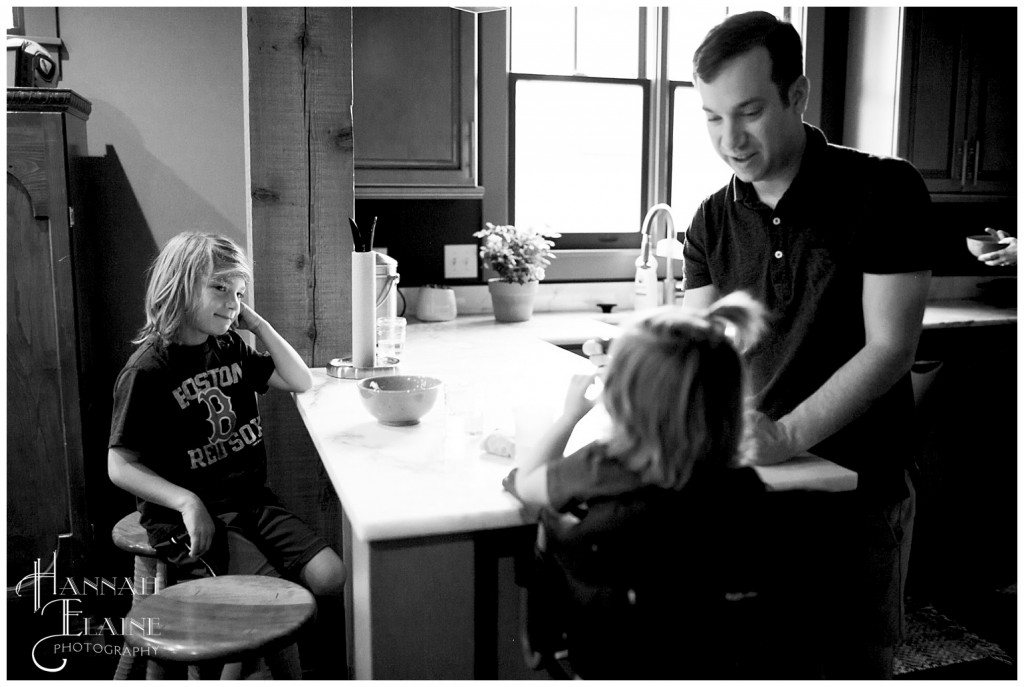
<point x="805" y="261"/>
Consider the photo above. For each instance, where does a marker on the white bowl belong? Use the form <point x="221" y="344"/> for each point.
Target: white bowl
<point x="979" y="244"/>
<point x="399" y="400"/>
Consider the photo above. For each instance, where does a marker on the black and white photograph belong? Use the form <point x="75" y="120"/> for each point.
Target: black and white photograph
<point x="545" y="341"/>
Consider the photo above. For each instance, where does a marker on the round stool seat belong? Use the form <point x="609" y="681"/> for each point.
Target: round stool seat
<point x="217" y="618"/>
<point x="130" y="536"/>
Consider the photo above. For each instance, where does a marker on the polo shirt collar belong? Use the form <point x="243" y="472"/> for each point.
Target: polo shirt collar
<point x="743" y="192"/>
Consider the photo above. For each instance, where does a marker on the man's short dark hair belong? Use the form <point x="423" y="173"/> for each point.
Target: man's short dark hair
<point x="742" y="32"/>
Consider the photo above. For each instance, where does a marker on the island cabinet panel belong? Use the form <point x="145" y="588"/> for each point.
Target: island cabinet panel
<point x="414" y="108"/>
<point x="965" y="534"/>
<point x="442" y="608"/>
<point x="957" y="98"/>
<point x="48" y="351"/>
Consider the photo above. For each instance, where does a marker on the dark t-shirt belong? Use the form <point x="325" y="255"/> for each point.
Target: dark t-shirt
<point x="190" y="413"/>
<point x="806" y="260"/>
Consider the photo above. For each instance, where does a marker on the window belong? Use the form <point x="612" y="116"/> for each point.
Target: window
<point x="16" y="22"/>
<point x="605" y="122"/>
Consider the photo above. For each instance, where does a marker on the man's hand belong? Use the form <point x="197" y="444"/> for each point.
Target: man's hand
<point x="765" y="442"/>
<point x="1004" y="256"/>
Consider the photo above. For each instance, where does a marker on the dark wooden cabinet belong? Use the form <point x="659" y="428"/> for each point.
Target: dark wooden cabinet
<point x="414" y="102"/>
<point x="48" y="354"/>
<point x="957" y="98"/>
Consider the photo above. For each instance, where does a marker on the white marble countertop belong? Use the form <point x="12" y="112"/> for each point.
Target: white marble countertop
<point x="435" y="477"/>
<point x="941" y="314"/>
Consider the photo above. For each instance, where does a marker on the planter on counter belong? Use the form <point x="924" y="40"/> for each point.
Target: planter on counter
<point x="512" y="302"/>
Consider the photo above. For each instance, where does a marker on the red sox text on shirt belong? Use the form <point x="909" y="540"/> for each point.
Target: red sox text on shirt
<point x="223" y="439"/>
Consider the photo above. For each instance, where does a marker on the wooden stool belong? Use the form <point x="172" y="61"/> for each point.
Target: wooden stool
<point x="149" y="578"/>
<point x="219" y="619"/>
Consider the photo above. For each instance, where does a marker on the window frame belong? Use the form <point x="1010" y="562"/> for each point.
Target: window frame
<point x="585" y="240"/>
<point x="595" y="264"/>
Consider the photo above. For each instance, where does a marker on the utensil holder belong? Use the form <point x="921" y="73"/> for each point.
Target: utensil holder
<point x="364" y="308"/>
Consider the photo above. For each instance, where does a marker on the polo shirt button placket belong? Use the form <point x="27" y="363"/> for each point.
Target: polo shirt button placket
<point x="780" y="270"/>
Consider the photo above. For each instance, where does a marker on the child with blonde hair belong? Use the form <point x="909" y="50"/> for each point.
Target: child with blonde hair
<point x="186" y="437"/>
<point x="674" y="392"/>
<point x="646" y="545"/>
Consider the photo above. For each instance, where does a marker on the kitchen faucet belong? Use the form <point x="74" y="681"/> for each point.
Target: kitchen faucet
<point x="668" y="248"/>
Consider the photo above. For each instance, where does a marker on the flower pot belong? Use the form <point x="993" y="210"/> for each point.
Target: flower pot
<point x="512" y="302"/>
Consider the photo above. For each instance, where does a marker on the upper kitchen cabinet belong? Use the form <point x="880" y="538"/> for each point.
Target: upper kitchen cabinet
<point x="414" y="102"/>
<point x="938" y="87"/>
<point x="958" y="98"/>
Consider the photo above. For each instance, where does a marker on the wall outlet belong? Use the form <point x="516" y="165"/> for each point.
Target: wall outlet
<point x="460" y="261"/>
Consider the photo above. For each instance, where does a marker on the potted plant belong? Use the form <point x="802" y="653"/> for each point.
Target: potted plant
<point x="519" y="256"/>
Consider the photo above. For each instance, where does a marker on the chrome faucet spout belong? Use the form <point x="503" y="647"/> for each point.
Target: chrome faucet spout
<point x="669" y="252"/>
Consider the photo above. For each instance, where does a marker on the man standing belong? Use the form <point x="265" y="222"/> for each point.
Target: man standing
<point x="805" y="227"/>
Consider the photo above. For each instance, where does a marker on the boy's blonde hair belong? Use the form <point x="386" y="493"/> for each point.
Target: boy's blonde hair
<point x="674" y="388"/>
<point x="178" y="276"/>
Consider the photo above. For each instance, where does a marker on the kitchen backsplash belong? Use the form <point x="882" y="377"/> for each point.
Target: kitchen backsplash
<point x="415" y="232"/>
<point x="585" y="296"/>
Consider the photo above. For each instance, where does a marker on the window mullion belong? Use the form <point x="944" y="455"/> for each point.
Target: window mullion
<point x="576" y="41"/>
<point x="659" y="117"/>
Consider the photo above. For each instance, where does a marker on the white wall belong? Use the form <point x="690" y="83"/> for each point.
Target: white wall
<point x="872" y="76"/>
<point x="167" y="94"/>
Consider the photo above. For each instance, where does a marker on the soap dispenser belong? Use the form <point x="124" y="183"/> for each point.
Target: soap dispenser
<point x="645" y="284"/>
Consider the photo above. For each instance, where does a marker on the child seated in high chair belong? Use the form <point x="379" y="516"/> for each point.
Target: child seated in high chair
<point x="648" y="554"/>
<point x="186" y="437"/>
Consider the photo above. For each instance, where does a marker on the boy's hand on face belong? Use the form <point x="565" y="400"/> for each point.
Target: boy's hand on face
<point x="248" y="319"/>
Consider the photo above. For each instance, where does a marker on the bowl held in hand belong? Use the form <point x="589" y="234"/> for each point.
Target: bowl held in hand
<point x="980" y="244"/>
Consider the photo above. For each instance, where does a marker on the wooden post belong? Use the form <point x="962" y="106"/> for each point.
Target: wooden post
<point x="302" y="194"/>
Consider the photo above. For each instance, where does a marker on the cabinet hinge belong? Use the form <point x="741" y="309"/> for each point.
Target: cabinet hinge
<point x="71" y="217"/>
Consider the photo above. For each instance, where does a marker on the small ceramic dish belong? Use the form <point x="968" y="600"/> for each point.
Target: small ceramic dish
<point x="980" y="244"/>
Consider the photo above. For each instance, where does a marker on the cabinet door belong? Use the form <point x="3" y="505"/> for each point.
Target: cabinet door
<point x="958" y="98"/>
<point x="43" y="439"/>
<point x="414" y="100"/>
<point x="933" y="103"/>
<point x="992" y="122"/>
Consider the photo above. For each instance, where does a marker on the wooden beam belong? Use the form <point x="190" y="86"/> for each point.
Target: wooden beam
<point x="302" y="193"/>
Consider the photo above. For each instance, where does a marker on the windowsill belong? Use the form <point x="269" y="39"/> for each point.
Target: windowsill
<point x="425" y="192"/>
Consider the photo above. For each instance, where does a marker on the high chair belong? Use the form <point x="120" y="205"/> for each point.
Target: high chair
<point x="654" y="584"/>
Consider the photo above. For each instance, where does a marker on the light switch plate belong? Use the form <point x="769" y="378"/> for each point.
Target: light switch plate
<point x="460" y="261"/>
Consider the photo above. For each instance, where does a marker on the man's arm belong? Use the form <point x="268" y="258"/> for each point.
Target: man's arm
<point x="893" y="307"/>
<point x="700" y="298"/>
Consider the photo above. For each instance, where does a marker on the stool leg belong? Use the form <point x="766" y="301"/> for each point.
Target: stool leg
<point x="125" y="664"/>
<point x="150" y="576"/>
<point x="285" y="664"/>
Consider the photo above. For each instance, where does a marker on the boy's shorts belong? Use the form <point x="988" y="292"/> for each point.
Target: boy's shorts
<point x="281" y="537"/>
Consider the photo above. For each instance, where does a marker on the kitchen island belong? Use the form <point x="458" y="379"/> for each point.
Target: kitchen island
<point x="430" y="535"/>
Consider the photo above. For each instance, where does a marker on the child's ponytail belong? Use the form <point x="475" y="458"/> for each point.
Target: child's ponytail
<point x="739" y="318"/>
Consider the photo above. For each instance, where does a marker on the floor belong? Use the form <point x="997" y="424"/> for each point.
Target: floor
<point x="967" y="637"/>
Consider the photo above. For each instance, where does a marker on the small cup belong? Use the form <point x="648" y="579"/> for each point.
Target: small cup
<point x="390" y="337"/>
